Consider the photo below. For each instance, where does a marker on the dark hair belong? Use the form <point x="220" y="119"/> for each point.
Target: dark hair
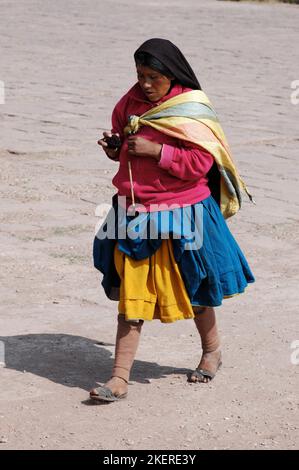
<point x="146" y="59"/>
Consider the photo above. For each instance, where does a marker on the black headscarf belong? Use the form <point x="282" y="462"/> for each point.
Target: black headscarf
<point x="170" y="55"/>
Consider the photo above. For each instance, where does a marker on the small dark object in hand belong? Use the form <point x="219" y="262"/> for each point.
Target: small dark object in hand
<point x="113" y="142"/>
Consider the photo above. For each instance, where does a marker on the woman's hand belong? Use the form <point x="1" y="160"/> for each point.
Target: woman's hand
<point x="111" y="153"/>
<point x="140" y="147"/>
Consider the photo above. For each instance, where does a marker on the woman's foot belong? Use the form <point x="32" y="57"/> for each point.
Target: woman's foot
<point x="117" y="385"/>
<point x="207" y="368"/>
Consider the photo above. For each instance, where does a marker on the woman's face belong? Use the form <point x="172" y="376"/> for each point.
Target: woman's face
<point x="154" y="85"/>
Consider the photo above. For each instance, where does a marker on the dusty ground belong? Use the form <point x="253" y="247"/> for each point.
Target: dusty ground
<point x="64" y="65"/>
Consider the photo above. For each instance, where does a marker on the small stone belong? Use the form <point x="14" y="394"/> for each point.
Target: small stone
<point x="128" y="442"/>
<point x="3" y="440"/>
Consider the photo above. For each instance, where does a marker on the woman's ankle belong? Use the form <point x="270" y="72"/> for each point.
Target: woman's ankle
<point x="212" y="350"/>
<point x="118" y="377"/>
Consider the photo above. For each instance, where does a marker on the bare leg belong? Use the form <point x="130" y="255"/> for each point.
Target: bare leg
<point x="205" y="321"/>
<point x="127" y="340"/>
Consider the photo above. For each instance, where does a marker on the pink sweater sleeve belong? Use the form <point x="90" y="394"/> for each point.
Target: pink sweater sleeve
<point x="118" y="118"/>
<point x="118" y="122"/>
<point x="187" y="163"/>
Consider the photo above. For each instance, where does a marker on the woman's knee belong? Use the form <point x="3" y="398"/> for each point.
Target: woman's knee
<point x="199" y="309"/>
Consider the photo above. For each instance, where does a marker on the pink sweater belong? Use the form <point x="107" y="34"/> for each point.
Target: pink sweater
<point x="180" y="175"/>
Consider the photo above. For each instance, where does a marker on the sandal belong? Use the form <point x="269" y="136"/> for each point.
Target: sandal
<point x="202" y="374"/>
<point x="105" y="394"/>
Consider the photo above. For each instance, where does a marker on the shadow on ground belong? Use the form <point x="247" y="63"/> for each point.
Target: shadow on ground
<point x="73" y="361"/>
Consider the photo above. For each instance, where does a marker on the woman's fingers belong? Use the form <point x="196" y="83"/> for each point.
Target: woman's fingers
<point x="110" y="152"/>
<point x="107" y="134"/>
<point x="139" y="146"/>
<point x="131" y="144"/>
<point x="102" y="143"/>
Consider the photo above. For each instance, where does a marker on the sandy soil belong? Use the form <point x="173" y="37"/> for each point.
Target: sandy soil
<point x="64" y="67"/>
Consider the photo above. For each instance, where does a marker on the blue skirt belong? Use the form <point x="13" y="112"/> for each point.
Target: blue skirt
<point x="211" y="262"/>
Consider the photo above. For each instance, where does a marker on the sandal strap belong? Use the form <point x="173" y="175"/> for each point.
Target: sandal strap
<point x="120" y="378"/>
<point x="106" y="393"/>
<point x="204" y="373"/>
<point x="101" y="390"/>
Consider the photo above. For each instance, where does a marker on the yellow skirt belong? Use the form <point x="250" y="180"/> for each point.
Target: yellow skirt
<point x="152" y="288"/>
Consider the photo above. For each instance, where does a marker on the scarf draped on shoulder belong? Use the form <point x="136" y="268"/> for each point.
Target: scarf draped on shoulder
<point x="190" y="117"/>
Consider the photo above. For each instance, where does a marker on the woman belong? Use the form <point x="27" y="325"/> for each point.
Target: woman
<point x="173" y="152"/>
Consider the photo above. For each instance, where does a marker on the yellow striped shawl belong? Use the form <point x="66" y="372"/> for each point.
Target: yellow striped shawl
<point x="190" y="116"/>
